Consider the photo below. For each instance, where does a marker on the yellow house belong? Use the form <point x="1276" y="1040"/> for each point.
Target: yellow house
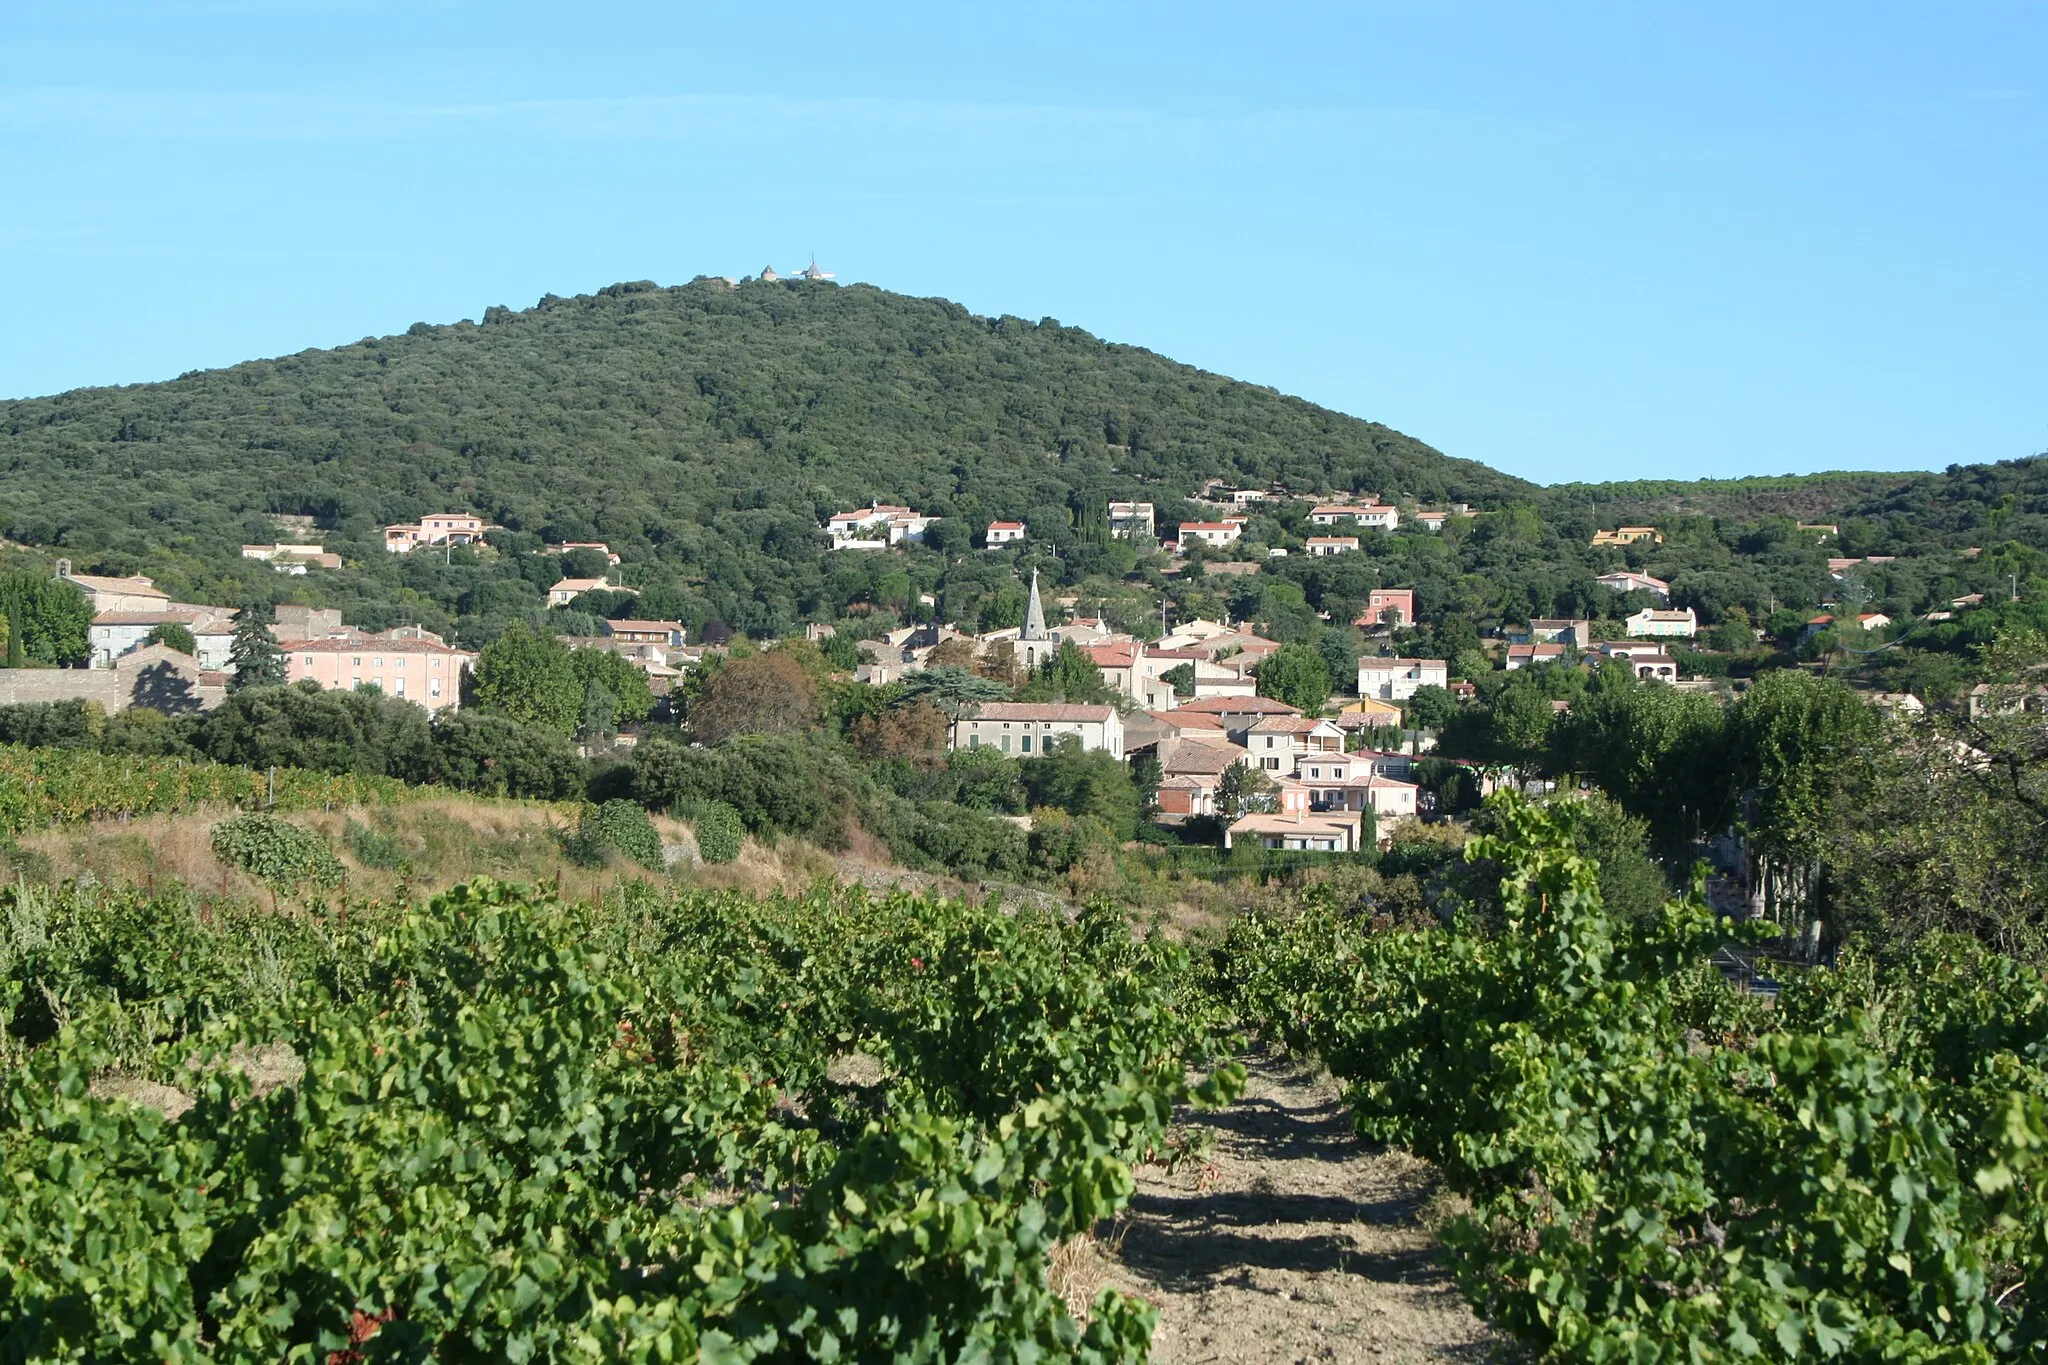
<point x="1627" y="535"/>
<point x="1375" y="711"/>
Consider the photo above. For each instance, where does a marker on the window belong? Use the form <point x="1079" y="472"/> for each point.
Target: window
<point x="437" y="663"/>
<point x="309" y="661"/>
<point x="974" y="741"/>
<point x="1006" y="744"/>
<point x="434" y="688"/>
<point x="356" y="681"/>
<point x="358" y="661"/>
<point x="399" y="689"/>
<point x="376" y="663"/>
<point x="1027" y="743"/>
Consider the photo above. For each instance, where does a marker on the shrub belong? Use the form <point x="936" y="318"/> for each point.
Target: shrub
<point x="719" y="832"/>
<point x="374" y="848"/>
<point x="277" y="851"/>
<point x="614" y="827"/>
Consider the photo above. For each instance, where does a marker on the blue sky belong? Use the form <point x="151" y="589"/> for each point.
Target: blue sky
<point x="1574" y="241"/>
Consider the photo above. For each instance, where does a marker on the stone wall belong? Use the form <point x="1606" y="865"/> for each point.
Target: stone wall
<point x="158" y="678"/>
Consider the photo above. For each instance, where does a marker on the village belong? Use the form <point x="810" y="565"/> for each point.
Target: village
<point x="1189" y="700"/>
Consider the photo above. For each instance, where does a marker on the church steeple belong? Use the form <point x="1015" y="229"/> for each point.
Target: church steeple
<point x="1034" y="613"/>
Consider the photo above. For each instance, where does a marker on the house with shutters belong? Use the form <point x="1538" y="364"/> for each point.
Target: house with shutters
<point x="1397" y="679"/>
<point x="1024" y="729"/>
<point x="409" y="662"/>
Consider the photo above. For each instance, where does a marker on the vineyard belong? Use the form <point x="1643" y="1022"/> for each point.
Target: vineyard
<point x="40" y="787"/>
<point x="661" y="1127"/>
<point x="1658" y="1168"/>
<point x="668" y="1125"/>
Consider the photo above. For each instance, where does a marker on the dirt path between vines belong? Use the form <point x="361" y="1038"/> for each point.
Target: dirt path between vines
<point x="1295" y="1242"/>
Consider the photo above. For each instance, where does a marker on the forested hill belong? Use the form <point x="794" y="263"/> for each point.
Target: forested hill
<point x="646" y="416"/>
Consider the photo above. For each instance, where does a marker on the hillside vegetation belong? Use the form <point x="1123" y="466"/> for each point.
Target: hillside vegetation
<point x="704" y="431"/>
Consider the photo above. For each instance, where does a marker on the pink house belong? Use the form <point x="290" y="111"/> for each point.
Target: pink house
<point x="406" y="662"/>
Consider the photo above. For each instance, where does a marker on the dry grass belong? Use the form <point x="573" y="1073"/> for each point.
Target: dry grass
<point x="442" y="842"/>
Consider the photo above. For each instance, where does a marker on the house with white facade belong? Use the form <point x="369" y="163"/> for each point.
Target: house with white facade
<point x="1215" y="534"/>
<point x="292" y="559"/>
<point x="1332" y="545"/>
<point x="1024" y="729"/>
<point x="134" y="593"/>
<point x="1397" y="679"/>
<point x="1628" y="580"/>
<point x="114" y="634"/>
<point x="877" y="527"/>
<point x="1381" y="516"/>
<point x="567" y="590"/>
<point x="1003" y="533"/>
<point x="1330" y="832"/>
<point x="1128" y="519"/>
<point x="1653" y="623"/>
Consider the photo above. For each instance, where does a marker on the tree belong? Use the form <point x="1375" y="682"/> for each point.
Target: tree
<point x="915" y="731"/>
<point x="1081" y="782"/>
<point x="1791" y="741"/>
<point x="1244" y="790"/>
<point x="1431" y="708"/>
<point x="479" y="752"/>
<point x="1181" y="677"/>
<point x="1069" y="675"/>
<point x="1339" y="649"/>
<point x="174" y="635"/>
<point x="48" y="621"/>
<point x="768" y="694"/>
<point x="529" y="678"/>
<point x="952" y="688"/>
<point x="253" y="655"/>
<point x="614" y="682"/>
<point x="1297" y="675"/>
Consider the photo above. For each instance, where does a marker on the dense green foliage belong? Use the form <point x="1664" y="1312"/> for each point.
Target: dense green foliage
<point x="277" y="851"/>
<point x="501" y="1128"/>
<point x="40" y="787"/>
<point x="617" y="826"/>
<point x="704" y="432"/>
<point x="1660" y="1171"/>
<point x="719" y="832"/>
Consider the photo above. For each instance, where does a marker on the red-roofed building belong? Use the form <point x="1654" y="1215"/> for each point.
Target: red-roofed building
<point x="1381" y="601"/>
<point x="1003" y="533"/>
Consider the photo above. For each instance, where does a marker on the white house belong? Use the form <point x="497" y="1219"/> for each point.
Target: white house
<point x="876" y="527"/>
<point x="567" y="590"/>
<point x="292" y="559"/>
<point x="1332" y="545"/>
<point x="1127" y="519"/>
<point x="1628" y="580"/>
<point x="134" y="593"/>
<point x="113" y="634"/>
<point x="1003" y="532"/>
<point x="1653" y="623"/>
<point x="1397" y="679"/>
<point x="1025" y="729"/>
<point x="1331" y="832"/>
<point x="1379" y="515"/>
<point x="1216" y="533"/>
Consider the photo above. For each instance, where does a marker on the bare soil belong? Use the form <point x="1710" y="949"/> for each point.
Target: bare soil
<point x="1293" y="1242"/>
